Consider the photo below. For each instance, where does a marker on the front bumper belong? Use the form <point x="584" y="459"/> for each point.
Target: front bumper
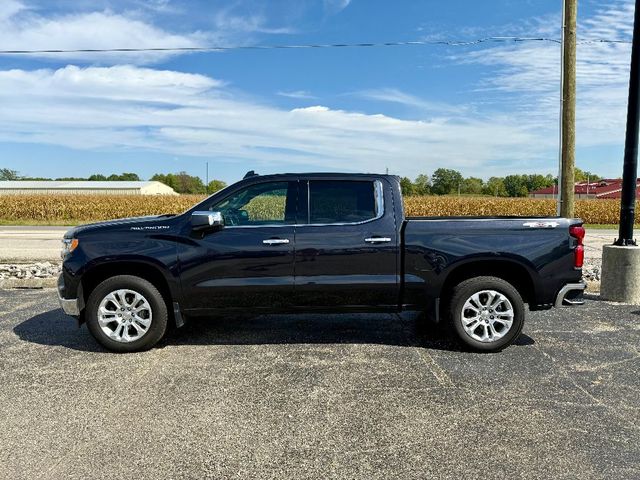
<point x="70" y="306"/>
<point x="570" y="295"/>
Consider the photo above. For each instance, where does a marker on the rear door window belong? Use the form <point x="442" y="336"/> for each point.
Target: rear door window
<point x="339" y="201"/>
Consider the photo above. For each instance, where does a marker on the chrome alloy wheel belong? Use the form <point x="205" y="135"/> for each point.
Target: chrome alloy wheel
<point x="487" y="316"/>
<point x="124" y="315"/>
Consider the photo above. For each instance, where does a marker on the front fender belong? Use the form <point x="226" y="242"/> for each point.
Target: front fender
<point x="146" y="256"/>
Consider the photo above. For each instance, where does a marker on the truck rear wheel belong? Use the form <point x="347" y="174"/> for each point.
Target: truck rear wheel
<point x="487" y="313"/>
<point x="126" y="314"/>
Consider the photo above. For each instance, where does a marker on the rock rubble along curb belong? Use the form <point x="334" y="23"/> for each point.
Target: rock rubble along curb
<point x="591" y="272"/>
<point x="29" y="275"/>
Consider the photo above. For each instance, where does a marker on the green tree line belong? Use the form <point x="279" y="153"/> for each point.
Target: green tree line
<point x="182" y="182"/>
<point x="445" y="181"/>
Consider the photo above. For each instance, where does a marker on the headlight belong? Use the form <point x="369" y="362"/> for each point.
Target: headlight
<point x="68" y="246"/>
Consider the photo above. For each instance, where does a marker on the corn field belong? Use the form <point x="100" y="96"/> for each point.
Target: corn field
<point x="591" y="211"/>
<point x="86" y="208"/>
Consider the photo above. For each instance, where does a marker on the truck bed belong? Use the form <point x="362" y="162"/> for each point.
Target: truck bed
<point x="537" y="249"/>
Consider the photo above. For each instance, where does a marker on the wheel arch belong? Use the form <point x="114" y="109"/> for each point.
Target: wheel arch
<point x="154" y="274"/>
<point x="508" y="270"/>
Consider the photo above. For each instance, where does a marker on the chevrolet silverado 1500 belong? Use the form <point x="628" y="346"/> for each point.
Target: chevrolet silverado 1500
<point x="317" y="242"/>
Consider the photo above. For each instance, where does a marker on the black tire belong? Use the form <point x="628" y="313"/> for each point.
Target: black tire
<point x="158" y="307"/>
<point x="464" y="291"/>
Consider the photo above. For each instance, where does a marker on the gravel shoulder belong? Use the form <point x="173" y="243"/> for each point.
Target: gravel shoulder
<point x="594" y="241"/>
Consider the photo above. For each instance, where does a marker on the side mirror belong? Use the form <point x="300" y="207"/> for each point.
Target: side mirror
<point x="201" y="221"/>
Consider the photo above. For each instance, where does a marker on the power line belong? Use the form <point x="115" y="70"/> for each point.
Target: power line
<point x="450" y="43"/>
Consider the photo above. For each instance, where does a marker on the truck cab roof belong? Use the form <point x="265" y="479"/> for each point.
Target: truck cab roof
<point x="251" y="175"/>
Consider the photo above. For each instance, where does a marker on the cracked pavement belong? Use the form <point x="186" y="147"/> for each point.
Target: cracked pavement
<point x="319" y="396"/>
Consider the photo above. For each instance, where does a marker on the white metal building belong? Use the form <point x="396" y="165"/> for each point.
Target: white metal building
<point x="37" y="187"/>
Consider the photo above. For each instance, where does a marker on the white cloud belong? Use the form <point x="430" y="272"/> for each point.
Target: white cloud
<point x="119" y="83"/>
<point x="297" y="94"/>
<point x="160" y="6"/>
<point x="335" y="6"/>
<point x="127" y="107"/>
<point x="25" y="29"/>
<point x="130" y="107"/>
<point x="231" y="23"/>
<point x="394" y="95"/>
<point x="9" y="8"/>
<point x="530" y="76"/>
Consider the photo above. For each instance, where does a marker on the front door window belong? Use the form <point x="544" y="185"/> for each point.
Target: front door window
<point x="260" y="204"/>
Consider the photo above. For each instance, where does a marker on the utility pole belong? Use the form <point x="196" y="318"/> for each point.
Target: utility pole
<point x="207" y="177"/>
<point x="566" y="178"/>
<point x="588" y="177"/>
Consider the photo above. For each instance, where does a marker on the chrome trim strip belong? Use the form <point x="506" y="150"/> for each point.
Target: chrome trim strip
<point x="378" y="192"/>
<point x="266" y="225"/>
<point x="465" y="219"/>
<point x="569" y="287"/>
<point x="308" y="182"/>
<point x="337" y="224"/>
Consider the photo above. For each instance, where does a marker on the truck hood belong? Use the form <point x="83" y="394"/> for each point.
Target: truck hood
<point x="149" y="223"/>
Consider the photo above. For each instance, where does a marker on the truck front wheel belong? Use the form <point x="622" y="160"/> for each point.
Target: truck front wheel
<point x="487" y="313"/>
<point x="126" y="314"/>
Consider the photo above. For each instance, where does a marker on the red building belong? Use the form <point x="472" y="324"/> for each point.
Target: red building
<point x="608" y="188"/>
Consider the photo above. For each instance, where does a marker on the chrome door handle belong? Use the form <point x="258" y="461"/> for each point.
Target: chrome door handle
<point x="377" y="239"/>
<point x="275" y="241"/>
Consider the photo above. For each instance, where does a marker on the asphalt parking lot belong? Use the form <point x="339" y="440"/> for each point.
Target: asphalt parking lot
<point x="362" y="396"/>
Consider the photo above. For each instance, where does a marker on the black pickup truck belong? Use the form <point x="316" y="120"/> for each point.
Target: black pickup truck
<point x="317" y="242"/>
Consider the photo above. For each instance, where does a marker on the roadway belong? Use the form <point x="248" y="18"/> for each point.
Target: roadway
<point x="30" y="244"/>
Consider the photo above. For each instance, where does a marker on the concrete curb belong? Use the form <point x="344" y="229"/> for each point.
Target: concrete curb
<point x="8" y="283"/>
<point x="29" y="261"/>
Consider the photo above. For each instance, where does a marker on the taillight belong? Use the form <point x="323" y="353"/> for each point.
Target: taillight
<point x="579" y="256"/>
<point x="577" y="232"/>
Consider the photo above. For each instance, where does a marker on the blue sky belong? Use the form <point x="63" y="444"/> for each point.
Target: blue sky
<point x="489" y="109"/>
